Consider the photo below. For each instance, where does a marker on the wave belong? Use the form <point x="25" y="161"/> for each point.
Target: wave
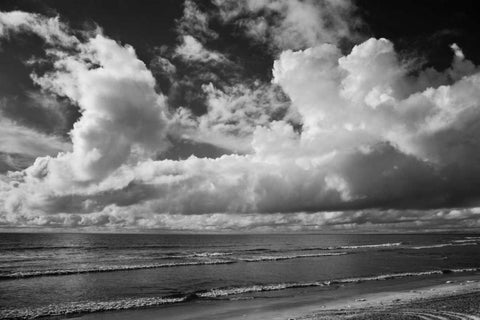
<point x="87" y="307"/>
<point x="222" y="292"/>
<point x="367" y="246"/>
<point x="211" y="254"/>
<point x="441" y="245"/>
<point x="97" y="269"/>
<point x="148" y="247"/>
<point x="297" y="256"/>
<point x="27" y="248"/>
<point x="117" y="268"/>
<point x="465" y="240"/>
<point x="330" y="248"/>
<point x="90" y="247"/>
<point x="187" y="255"/>
<point x="136" y="303"/>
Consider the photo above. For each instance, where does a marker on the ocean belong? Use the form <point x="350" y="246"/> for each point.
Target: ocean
<point x="64" y="274"/>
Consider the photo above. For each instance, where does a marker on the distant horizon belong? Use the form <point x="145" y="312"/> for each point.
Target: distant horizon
<point x="236" y="233"/>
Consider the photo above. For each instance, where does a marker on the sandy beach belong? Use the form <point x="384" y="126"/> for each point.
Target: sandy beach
<point x="445" y="297"/>
<point x="453" y="300"/>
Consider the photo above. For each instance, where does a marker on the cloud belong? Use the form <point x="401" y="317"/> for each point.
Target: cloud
<point x="18" y="139"/>
<point x="286" y="24"/>
<point x="14" y="162"/>
<point x="40" y="111"/>
<point x="361" y="142"/>
<point x="233" y="114"/>
<point x="52" y="30"/>
<point x="122" y="219"/>
<point x="195" y="22"/>
<point x="122" y="115"/>
<point x="192" y="50"/>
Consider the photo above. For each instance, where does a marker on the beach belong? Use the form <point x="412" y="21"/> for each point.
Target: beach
<point x="453" y="300"/>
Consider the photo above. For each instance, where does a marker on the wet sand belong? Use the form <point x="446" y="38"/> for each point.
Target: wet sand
<point x="465" y="306"/>
<point x="454" y="300"/>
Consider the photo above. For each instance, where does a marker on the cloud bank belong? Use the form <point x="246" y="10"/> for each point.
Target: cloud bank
<point x="365" y="140"/>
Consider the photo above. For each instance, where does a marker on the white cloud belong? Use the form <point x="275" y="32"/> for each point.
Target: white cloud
<point x="122" y="115"/>
<point x="195" y="22"/>
<point x="192" y="50"/>
<point x="233" y="115"/>
<point x="372" y="136"/>
<point x="292" y="24"/>
<point x="138" y="218"/>
<point x="18" y="139"/>
<point x="50" y="29"/>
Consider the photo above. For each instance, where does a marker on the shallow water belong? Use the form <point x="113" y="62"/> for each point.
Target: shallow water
<point x="44" y="274"/>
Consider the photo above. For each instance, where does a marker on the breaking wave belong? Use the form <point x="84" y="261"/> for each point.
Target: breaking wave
<point x="432" y="246"/>
<point x="288" y="257"/>
<point x="367" y="246"/>
<point x="44" y="273"/>
<point x="114" y="268"/>
<point x="330" y="248"/>
<point x="214" y="293"/>
<point x="87" y="307"/>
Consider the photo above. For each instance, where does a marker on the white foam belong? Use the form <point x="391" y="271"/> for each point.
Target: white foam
<point x="288" y="257"/>
<point x="367" y="246"/>
<point x="62" y="272"/>
<point x="212" y="254"/>
<point x="86" y="307"/>
<point x="465" y="240"/>
<point x="215" y="293"/>
<point x="117" y="268"/>
<point x="221" y="292"/>
<point x="441" y="245"/>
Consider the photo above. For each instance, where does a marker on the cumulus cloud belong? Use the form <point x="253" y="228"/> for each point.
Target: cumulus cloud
<point x="122" y="219"/>
<point x="122" y="115"/>
<point x="287" y="24"/>
<point x="360" y="142"/>
<point x="233" y="115"/>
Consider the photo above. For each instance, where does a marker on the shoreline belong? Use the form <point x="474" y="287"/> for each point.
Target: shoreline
<point x="379" y="300"/>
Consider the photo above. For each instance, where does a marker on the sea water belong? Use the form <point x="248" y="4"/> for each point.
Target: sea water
<point x="63" y="274"/>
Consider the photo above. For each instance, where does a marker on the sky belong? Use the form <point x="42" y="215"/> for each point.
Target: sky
<point x="239" y="116"/>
